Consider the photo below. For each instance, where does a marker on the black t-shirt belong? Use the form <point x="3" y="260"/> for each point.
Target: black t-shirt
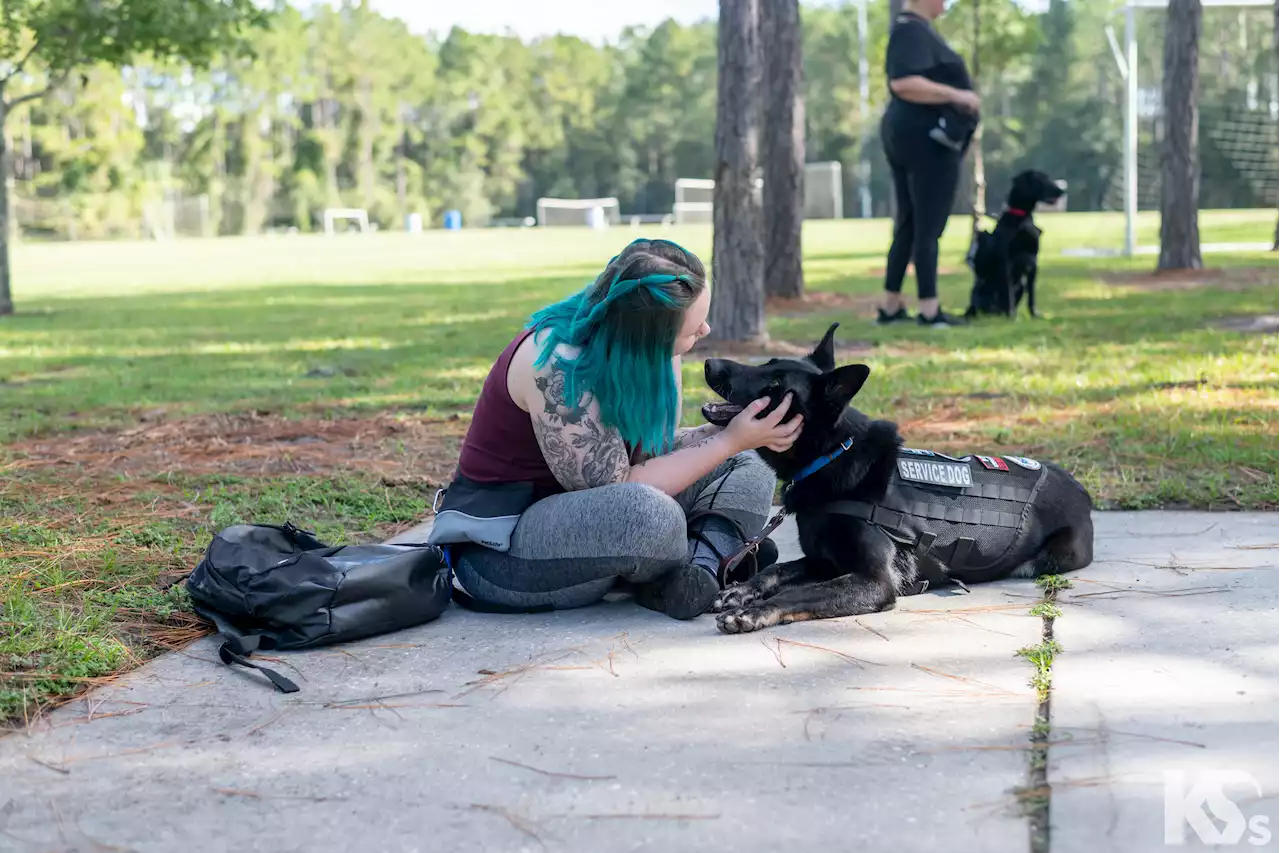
<point x="916" y="50"/>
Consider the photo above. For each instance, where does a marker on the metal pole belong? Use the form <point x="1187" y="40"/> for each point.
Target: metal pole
<point x="979" y="164"/>
<point x="1130" y="133"/>
<point x="864" y="96"/>
<point x="1275" y="99"/>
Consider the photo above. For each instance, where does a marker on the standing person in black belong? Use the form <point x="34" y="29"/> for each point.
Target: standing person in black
<point x="926" y="129"/>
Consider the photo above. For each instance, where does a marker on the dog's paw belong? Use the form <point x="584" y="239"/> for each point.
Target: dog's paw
<point x="735" y="597"/>
<point x="747" y="619"/>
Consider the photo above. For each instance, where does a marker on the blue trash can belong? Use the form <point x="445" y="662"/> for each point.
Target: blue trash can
<point x="452" y="220"/>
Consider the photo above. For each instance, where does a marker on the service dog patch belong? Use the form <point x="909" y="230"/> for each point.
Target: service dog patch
<point x="991" y="463"/>
<point x="955" y="474"/>
<point x="1024" y="462"/>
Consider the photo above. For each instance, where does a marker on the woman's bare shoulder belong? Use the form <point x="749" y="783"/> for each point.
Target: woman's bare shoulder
<point x="522" y="377"/>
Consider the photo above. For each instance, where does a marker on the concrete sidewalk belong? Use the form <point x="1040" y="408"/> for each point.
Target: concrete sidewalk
<point x="613" y="728"/>
<point x="1169" y="666"/>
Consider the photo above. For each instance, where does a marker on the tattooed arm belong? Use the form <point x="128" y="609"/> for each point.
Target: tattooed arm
<point x="583" y="453"/>
<point x="689" y="436"/>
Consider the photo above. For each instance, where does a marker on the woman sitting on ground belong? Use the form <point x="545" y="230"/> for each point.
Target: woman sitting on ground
<point x="585" y="404"/>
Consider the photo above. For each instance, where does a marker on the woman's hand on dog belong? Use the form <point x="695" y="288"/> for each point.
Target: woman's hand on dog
<point x="749" y="431"/>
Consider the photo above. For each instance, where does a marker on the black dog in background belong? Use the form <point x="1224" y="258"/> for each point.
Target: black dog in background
<point x="1004" y="261"/>
<point x="878" y="520"/>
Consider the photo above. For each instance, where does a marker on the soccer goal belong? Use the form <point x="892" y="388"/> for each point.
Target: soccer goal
<point x="694" y="197"/>
<point x="823" y="191"/>
<point x="823" y="195"/>
<point x="1238" y="108"/>
<point x="591" y="212"/>
<point x="358" y="215"/>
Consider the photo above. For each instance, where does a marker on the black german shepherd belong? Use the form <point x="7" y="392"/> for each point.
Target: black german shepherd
<point x="878" y="520"/>
<point x="1005" y="261"/>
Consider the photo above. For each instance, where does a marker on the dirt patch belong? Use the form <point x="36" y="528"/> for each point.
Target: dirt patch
<point x="1235" y="278"/>
<point x="1267" y="324"/>
<point x="395" y="447"/>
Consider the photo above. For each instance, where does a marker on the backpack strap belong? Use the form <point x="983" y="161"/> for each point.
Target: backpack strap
<point x="237" y="650"/>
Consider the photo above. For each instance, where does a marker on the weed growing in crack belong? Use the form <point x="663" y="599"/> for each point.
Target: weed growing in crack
<point x="1041" y="657"/>
<point x="1046" y="610"/>
<point x="1052" y="585"/>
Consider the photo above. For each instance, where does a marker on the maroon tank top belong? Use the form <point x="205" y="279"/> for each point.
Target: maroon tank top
<point x="500" y="446"/>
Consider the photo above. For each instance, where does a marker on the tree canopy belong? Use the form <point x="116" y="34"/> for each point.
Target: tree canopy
<point x="338" y="105"/>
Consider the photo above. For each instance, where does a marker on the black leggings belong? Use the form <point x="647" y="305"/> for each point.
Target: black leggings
<point x="925" y="177"/>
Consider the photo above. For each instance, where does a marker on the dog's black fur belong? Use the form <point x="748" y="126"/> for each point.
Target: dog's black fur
<point x="1005" y="261"/>
<point x="850" y="566"/>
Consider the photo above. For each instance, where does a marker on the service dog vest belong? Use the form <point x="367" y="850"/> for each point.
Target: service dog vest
<point x="970" y="513"/>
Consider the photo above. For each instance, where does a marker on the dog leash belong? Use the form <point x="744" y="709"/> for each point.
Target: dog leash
<point x="751" y="546"/>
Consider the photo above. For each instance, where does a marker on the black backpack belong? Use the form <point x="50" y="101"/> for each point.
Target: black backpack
<point x="267" y="587"/>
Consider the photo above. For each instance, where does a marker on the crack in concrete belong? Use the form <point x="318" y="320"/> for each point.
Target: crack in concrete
<point x="1037" y="796"/>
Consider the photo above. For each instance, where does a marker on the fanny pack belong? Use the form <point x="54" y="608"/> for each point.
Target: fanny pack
<point x="480" y="513"/>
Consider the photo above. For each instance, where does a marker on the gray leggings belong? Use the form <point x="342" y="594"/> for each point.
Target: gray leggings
<point x="569" y="550"/>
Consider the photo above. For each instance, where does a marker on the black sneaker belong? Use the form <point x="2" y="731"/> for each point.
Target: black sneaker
<point x="884" y="318"/>
<point x="683" y="594"/>
<point x="941" y="320"/>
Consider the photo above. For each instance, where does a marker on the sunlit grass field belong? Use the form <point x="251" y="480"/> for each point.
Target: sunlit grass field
<point x="1156" y="393"/>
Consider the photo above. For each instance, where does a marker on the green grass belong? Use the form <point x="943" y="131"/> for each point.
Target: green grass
<point x="89" y="588"/>
<point x="1142" y="393"/>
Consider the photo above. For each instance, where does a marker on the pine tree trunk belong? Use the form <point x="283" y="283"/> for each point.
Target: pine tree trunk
<point x="6" y="295"/>
<point x="737" y="296"/>
<point x="331" y="142"/>
<point x="782" y="144"/>
<point x="256" y="185"/>
<point x="1180" y="154"/>
<point x="217" y="181"/>
<point x="368" y="130"/>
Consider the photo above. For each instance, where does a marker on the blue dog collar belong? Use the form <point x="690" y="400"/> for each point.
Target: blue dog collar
<point x="822" y="461"/>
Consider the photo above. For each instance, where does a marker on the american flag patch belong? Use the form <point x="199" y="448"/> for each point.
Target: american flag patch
<point x="991" y="463"/>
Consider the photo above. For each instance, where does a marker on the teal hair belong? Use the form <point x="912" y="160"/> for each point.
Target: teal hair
<point x="623" y="328"/>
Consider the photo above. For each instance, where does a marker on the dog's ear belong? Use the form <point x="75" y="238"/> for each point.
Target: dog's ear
<point x="843" y="383"/>
<point x="824" y="354"/>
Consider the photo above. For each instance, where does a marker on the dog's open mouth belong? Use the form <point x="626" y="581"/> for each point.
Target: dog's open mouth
<point x="720" y="412"/>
